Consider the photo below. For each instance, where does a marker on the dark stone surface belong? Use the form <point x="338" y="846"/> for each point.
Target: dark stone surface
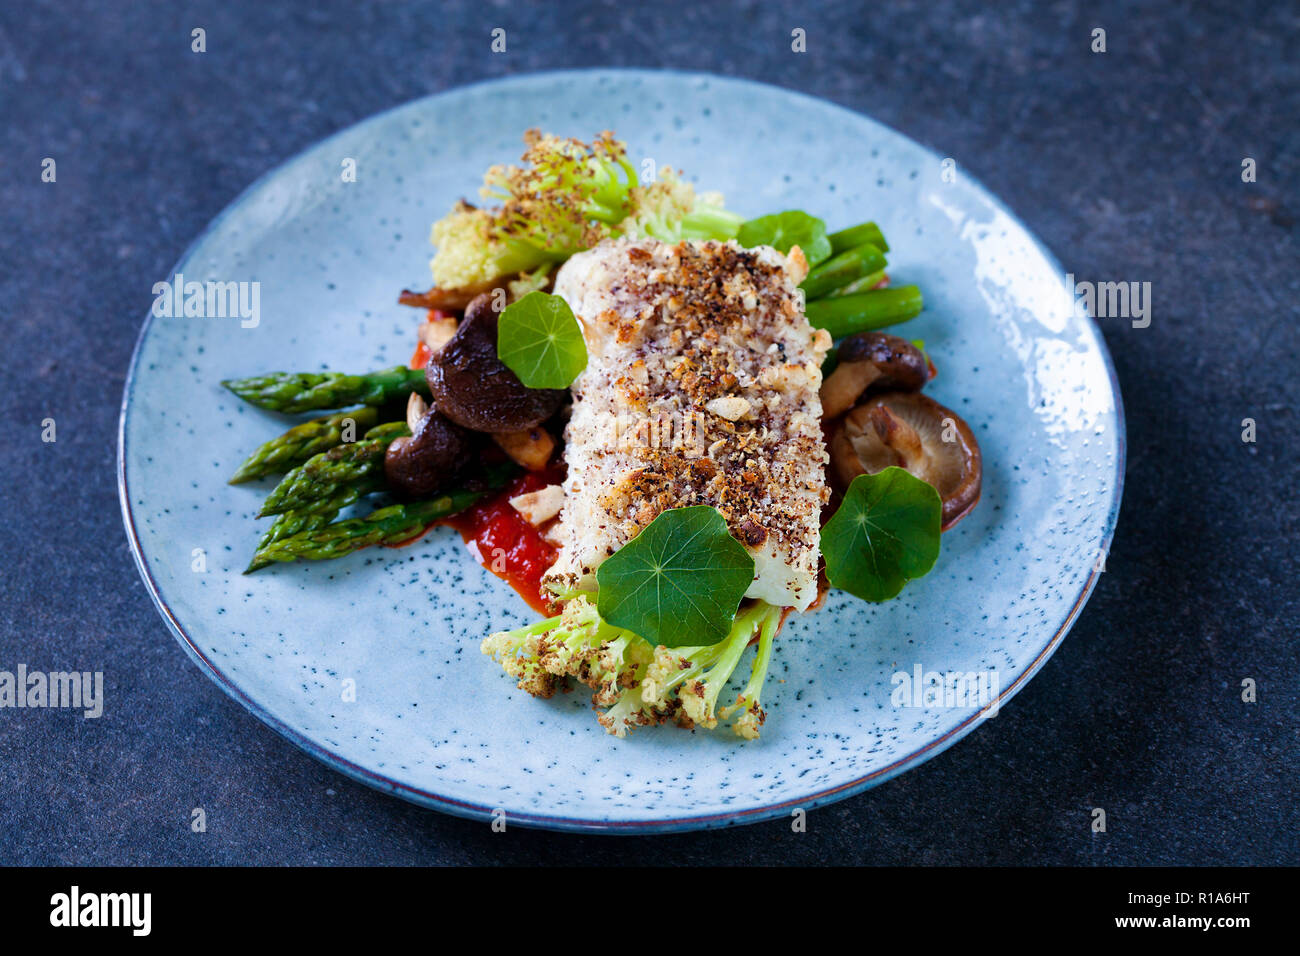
<point x="1127" y="164"/>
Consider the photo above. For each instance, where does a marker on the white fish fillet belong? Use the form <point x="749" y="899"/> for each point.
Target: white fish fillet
<point x="701" y="388"/>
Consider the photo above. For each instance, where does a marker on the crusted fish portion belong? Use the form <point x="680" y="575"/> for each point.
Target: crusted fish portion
<point x="701" y="388"/>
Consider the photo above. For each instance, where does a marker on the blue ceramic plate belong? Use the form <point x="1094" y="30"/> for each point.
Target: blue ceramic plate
<point x="436" y="722"/>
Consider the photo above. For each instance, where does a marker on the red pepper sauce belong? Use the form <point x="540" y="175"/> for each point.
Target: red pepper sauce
<point x="507" y="544"/>
<point x="421" y="357"/>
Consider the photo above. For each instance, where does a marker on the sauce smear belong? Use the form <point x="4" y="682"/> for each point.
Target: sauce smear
<point x="421" y="357"/>
<point x="506" y="543"/>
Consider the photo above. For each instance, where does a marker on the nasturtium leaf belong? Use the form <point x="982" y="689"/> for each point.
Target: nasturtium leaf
<point x="540" y="341"/>
<point x="885" y="533"/>
<point x="784" y="231"/>
<point x="678" y="582"/>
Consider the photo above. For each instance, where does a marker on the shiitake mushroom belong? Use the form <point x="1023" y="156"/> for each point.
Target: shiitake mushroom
<point x="475" y="389"/>
<point x="916" y="433"/>
<point x="873" y="360"/>
<point x="431" y="459"/>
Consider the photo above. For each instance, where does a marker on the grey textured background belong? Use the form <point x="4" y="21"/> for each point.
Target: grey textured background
<point x="1127" y="164"/>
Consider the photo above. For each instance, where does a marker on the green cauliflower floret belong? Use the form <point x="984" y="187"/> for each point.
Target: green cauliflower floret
<point x="527" y="282"/>
<point x="683" y="684"/>
<point x="699" y="694"/>
<point x="472" y="252"/>
<point x="576" y="643"/>
<point x="567" y="197"/>
<point x="672" y="210"/>
<point x="640" y="685"/>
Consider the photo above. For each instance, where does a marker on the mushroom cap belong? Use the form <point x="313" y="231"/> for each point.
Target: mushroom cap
<point x="877" y="361"/>
<point x="902" y="366"/>
<point x="474" y="388"/>
<point x="916" y="433"/>
<point x="430" y="459"/>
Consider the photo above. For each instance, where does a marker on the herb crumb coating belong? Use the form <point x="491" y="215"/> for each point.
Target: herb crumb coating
<point x="701" y="388"/>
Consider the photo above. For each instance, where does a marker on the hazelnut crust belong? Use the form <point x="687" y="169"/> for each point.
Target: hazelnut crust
<point x="701" y="388"/>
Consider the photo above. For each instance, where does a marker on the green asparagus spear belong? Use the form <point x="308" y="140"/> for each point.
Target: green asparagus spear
<point x="856" y="236"/>
<point x="326" y="474"/>
<point x="387" y="431"/>
<point x="842" y="269"/>
<point x="849" y="314"/>
<point x="299" y="443"/>
<point x="294" y="392"/>
<point x="392" y="525"/>
<point x="294" y="522"/>
<point x="317" y="514"/>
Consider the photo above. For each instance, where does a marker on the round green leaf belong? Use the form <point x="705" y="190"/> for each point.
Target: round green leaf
<point x="678" y="582"/>
<point x="885" y="533"/>
<point x="540" y="341"/>
<point x="784" y="231"/>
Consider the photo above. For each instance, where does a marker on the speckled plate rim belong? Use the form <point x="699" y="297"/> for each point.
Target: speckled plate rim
<point x="474" y="811"/>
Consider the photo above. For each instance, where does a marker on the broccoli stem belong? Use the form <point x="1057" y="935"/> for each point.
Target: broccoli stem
<point x="699" y="697"/>
<point x="710" y="222"/>
<point x="758" y="674"/>
<point x="747" y="704"/>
